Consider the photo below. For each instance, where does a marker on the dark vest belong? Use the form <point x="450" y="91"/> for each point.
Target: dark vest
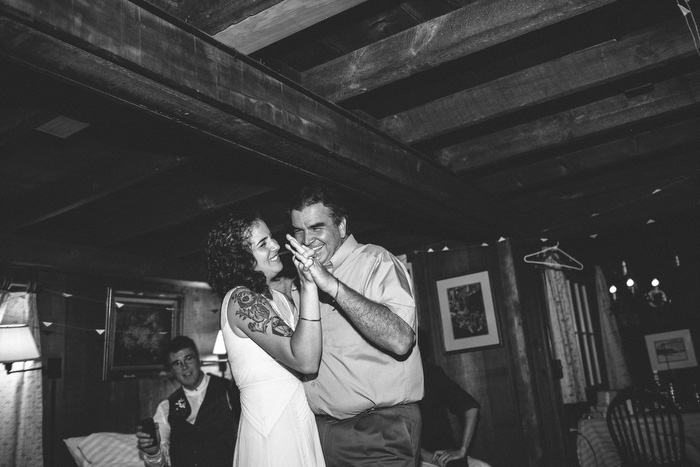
<point x="210" y="441"/>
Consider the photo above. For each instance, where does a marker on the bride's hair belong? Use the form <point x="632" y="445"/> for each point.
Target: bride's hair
<point x="230" y="261"/>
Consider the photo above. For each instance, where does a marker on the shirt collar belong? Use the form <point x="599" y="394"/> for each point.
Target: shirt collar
<point x="199" y="389"/>
<point x="342" y="253"/>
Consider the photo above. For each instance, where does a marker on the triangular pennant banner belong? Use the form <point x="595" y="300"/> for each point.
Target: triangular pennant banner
<point x="684" y="10"/>
<point x="47" y="323"/>
<point x="100" y="331"/>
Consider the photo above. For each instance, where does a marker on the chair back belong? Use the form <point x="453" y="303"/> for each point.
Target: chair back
<point x="647" y="428"/>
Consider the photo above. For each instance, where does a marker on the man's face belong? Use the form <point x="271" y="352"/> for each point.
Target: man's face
<point x="186" y="368"/>
<point x="314" y="227"/>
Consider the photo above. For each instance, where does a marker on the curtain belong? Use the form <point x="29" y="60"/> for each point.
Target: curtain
<point x="564" y="340"/>
<point x="618" y="373"/>
<point x="21" y="405"/>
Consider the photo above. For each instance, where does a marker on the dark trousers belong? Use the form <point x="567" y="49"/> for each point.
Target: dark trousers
<point x="382" y="437"/>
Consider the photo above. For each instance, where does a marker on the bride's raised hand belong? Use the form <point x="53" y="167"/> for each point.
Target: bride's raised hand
<point x="302" y="257"/>
<point x="309" y="266"/>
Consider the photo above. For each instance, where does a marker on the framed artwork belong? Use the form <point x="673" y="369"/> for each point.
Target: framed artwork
<point x="467" y="312"/>
<point x="671" y="350"/>
<point x="138" y="326"/>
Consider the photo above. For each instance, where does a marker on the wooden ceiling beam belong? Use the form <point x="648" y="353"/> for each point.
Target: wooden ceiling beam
<point x="620" y="151"/>
<point x="87" y="187"/>
<point x="577" y="72"/>
<point x="606" y="191"/>
<point x="133" y="55"/>
<point x="613" y="113"/>
<point x="279" y="21"/>
<point x="212" y="16"/>
<point x="465" y="31"/>
<point x="190" y="238"/>
<point x="95" y="262"/>
<point x="618" y="199"/>
<point x="180" y="201"/>
<point x="659" y="172"/>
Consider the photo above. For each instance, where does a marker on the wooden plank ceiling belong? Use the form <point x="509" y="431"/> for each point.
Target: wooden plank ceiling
<point x="447" y="121"/>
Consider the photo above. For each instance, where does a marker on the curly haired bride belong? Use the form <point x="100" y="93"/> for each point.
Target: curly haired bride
<point x="268" y="348"/>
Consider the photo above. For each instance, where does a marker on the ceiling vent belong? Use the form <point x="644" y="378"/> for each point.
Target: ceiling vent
<point x="62" y="127"/>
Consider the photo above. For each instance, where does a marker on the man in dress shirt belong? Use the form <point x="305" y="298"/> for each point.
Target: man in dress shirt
<point x="196" y="425"/>
<point x="370" y="379"/>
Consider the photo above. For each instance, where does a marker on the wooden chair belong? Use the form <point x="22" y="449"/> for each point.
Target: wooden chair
<point x="647" y="429"/>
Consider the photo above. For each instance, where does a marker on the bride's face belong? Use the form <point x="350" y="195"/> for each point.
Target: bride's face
<point x="265" y="250"/>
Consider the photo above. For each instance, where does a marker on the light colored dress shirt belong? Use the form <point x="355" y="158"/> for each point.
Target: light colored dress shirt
<point x="355" y="376"/>
<point x="195" y="397"/>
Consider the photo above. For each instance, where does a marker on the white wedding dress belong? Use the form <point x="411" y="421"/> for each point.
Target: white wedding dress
<point x="277" y="427"/>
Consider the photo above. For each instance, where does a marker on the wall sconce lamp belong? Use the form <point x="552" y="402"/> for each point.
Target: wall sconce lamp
<point x="17" y="345"/>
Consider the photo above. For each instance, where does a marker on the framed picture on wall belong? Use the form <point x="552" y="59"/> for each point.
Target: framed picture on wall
<point x="467" y="312"/>
<point x="671" y="350"/>
<point x="138" y="326"/>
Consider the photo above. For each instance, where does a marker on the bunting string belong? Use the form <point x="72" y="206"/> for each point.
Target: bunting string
<point x="689" y="17"/>
<point x="50" y="327"/>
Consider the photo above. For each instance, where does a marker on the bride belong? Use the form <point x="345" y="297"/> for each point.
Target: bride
<point x="268" y="349"/>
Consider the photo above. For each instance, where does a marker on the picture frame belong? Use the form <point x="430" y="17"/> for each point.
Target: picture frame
<point x="138" y="325"/>
<point x="467" y="313"/>
<point x="671" y="350"/>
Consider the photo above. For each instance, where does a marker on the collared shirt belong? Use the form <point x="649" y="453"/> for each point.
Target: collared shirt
<point x="355" y="376"/>
<point x="195" y="397"/>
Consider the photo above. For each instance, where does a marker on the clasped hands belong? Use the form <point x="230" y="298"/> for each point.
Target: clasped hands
<point x="310" y="269"/>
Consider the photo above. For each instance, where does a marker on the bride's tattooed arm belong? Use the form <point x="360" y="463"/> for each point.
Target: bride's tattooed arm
<point x="255" y="307"/>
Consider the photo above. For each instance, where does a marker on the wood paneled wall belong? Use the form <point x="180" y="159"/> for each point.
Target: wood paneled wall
<point x="509" y="433"/>
<point x="507" y="379"/>
<point x="84" y="403"/>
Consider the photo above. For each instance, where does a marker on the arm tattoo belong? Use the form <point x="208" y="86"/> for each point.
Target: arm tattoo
<point x="254" y="307"/>
<point x="280" y="328"/>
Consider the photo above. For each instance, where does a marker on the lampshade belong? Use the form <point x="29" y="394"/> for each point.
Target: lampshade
<point x="219" y="347"/>
<point x="17" y="344"/>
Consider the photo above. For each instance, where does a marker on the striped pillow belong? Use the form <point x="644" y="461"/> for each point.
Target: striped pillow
<point x="111" y="450"/>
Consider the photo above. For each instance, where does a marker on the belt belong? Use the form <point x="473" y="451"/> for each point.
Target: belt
<point x="366" y="412"/>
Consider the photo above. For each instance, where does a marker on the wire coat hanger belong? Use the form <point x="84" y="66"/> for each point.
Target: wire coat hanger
<point x="554" y="257"/>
